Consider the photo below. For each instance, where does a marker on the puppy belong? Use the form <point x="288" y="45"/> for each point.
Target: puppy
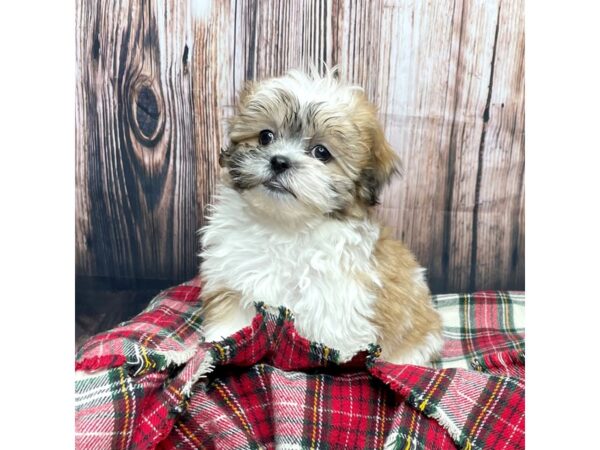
<point x="293" y="224"/>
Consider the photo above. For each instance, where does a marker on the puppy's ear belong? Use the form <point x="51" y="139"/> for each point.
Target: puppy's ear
<point x="246" y="93"/>
<point x="383" y="165"/>
<point x="241" y="104"/>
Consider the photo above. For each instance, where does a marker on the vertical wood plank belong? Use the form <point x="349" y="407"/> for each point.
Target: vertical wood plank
<point x="135" y="178"/>
<point x="212" y="66"/>
<point x="273" y="37"/>
<point x="499" y="247"/>
<point x="478" y="42"/>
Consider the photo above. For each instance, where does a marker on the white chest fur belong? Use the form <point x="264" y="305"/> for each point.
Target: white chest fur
<point x="318" y="271"/>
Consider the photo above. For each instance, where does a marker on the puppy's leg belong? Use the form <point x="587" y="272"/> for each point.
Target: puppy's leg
<point x="420" y="351"/>
<point x="223" y="314"/>
<point x="410" y="329"/>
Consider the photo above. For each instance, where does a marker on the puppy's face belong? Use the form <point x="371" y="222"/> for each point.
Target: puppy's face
<point x="303" y="146"/>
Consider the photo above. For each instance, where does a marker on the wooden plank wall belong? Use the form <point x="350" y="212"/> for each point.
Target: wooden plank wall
<point x="156" y="79"/>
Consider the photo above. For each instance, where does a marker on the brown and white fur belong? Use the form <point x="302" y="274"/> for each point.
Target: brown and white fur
<point x="298" y="230"/>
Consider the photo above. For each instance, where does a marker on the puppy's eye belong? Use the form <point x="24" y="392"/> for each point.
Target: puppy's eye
<point x="265" y="137"/>
<point x="321" y="153"/>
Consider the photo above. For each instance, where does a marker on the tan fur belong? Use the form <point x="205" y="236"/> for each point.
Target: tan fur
<point x="404" y="313"/>
<point x="218" y="304"/>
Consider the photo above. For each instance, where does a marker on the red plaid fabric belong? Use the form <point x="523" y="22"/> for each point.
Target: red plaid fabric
<point x="484" y="323"/>
<point x="268" y="387"/>
<point x="167" y="332"/>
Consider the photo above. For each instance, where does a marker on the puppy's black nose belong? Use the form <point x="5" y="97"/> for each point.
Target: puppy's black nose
<point x="280" y="164"/>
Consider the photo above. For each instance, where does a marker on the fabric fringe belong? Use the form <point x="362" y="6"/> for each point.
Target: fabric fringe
<point x="206" y="366"/>
<point x="177" y="358"/>
<point x="453" y="430"/>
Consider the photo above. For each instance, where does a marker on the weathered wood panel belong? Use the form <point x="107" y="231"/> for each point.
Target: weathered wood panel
<point x="499" y="247"/>
<point x="136" y="164"/>
<point x="447" y="76"/>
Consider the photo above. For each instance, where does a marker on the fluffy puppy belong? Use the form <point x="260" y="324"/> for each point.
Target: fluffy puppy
<point x="292" y="224"/>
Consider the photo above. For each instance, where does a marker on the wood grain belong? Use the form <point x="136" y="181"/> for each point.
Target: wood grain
<point x="156" y="81"/>
<point x="500" y="247"/>
<point x="136" y="165"/>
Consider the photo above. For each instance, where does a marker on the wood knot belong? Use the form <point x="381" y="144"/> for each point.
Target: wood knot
<point x="146" y="113"/>
<point x="184" y="58"/>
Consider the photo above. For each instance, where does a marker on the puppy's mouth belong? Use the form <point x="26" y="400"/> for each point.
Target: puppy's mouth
<point x="276" y="186"/>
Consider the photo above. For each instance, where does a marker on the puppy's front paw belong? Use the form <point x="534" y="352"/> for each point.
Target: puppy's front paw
<point x="224" y="315"/>
<point x="218" y="332"/>
<point x="419" y="355"/>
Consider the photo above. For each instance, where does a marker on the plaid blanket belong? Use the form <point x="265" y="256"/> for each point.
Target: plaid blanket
<point x="153" y="383"/>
